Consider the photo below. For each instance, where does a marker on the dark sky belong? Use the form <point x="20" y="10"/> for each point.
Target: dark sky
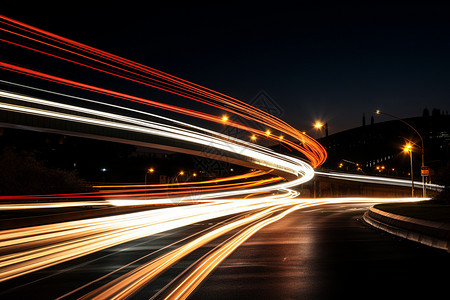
<point x="333" y="63"/>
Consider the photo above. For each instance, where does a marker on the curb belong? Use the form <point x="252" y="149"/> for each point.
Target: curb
<point x="433" y="234"/>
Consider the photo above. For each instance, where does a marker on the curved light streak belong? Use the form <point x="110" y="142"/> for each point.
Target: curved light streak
<point x="259" y="155"/>
<point x="45" y="42"/>
<point x="25" y="250"/>
<point x="377" y="180"/>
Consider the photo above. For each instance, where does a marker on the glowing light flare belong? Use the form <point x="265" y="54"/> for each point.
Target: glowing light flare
<point x="407" y="148"/>
<point x="318" y="125"/>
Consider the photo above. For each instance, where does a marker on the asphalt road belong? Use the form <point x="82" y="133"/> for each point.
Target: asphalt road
<point x="328" y="253"/>
<point x="325" y="252"/>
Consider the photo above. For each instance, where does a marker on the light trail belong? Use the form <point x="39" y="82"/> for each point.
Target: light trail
<point x="114" y="65"/>
<point x="309" y="147"/>
<point x="128" y="284"/>
<point x="168" y="188"/>
<point x="43" y="205"/>
<point x="195" y="277"/>
<point x="260" y="155"/>
<point x="25" y="250"/>
<point x="131" y="282"/>
<point x="268" y="199"/>
<point x="29" y="249"/>
<point x="377" y="180"/>
<point x="254" y="153"/>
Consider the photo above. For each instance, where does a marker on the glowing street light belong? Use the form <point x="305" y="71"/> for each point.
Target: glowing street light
<point x="318" y="125"/>
<point x="408" y="149"/>
<point x="181" y="173"/>
<point x="378" y="112"/>
<point x="149" y="171"/>
<point x="267" y="132"/>
<point x="253" y="138"/>
<point x="224" y="118"/>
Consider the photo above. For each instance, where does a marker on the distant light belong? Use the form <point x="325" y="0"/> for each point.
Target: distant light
<point x="318" y="125"/>
<point x="377" y="111"/>
<point x="267" y="132"/>
<point x="103" y="169"/>
<point x="408" y="147"/>
<point x="253" y="137"/>
<point x="224" y="118"/>
<point x="194" y="174"/>
<point x="181" y="173"/>
<point x="281" y="137"/>
<point x="151" y="170"/>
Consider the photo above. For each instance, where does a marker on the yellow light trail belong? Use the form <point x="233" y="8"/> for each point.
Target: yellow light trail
<point x="25" y="250"/>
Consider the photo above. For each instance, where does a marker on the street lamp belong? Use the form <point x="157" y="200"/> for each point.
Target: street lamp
<point x="424" y="190"/>
<point x="150" y="170"/>
<point x="406" y="149"/>
<point x="318" y="125"/>
<point x="253" y="138"/>
<point x="103" y="173"/>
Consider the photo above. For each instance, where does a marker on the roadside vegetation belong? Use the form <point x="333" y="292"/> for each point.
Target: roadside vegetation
<point x="22" y="174"/>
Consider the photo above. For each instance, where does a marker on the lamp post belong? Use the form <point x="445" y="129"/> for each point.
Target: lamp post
<point x="318" y="125"/>
<point x="408" y="148"/>
<point x="424" y="190"/>
<point x="150" y="170"/>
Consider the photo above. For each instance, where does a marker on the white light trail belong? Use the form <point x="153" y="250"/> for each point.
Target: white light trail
<point x="258" y="155"/>
<point x="377" y="180"/>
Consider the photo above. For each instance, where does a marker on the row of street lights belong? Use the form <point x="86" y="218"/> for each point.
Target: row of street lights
<point x="253" y="137"/>
<point x="408" y="148"/>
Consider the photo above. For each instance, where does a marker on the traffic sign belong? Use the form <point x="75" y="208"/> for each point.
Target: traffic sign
<point x="425" y="171"/>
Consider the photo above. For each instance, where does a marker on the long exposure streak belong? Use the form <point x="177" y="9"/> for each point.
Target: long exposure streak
<point x="248" y="202"/>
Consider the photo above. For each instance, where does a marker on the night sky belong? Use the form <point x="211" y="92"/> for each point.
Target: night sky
<point x="332" y="63"/>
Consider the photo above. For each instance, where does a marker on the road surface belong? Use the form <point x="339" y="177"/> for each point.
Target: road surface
<point x="323" y="252"/>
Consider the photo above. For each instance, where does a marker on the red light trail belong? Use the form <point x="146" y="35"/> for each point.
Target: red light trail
<point x="118" y="66"/>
